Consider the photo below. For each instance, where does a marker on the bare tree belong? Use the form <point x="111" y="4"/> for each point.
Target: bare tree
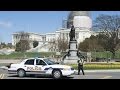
<point x="52" y="45"/>
<point x="23" y="44"/>
<point x="110" y="26"/>
<point x="60" y="44"/>
<point x="90" y="44"/>
<point x="23" y="35"/>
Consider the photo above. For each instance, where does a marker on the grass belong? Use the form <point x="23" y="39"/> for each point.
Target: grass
<point x="99" y="66"/>
<point x="19" y="55"/>
<point x="87" y="66"/>
<point x="105" y="54"/>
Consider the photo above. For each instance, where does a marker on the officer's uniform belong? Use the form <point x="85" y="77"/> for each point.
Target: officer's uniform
<point x="80" y="66"/>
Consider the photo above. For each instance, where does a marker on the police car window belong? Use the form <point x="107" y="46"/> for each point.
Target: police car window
<point x="29" y="62"/>
<point x="49" y="62"/>
<point x="40" y="62"/>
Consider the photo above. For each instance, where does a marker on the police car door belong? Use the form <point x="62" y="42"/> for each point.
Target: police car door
<point x="39" y="65"/>
<point x="29" y="65"/>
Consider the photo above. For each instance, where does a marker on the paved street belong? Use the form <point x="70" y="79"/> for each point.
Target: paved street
<point x="89" y="75"/>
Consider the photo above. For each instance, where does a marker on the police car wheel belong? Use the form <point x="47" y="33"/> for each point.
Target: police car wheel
<point x="57" y="74"/>
<point x="21" y="73"/>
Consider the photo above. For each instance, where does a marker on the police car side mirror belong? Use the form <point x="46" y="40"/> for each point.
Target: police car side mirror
<point x="57" y="62"/>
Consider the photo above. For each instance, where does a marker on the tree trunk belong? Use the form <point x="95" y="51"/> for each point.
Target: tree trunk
<point x="113" y="54"/>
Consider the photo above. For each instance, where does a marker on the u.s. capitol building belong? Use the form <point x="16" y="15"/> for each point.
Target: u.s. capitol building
<point x="80" y="19"/>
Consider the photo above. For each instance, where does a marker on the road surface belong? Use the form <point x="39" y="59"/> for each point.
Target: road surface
<point x="88" y="75"/>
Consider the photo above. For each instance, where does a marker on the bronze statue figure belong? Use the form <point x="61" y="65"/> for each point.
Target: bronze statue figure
<point x="72" y="33"/>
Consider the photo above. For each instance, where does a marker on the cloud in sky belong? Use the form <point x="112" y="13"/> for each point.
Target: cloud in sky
<point x="5" y="24"/>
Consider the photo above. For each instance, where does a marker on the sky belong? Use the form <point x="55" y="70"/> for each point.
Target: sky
<point x="35" y="21"/>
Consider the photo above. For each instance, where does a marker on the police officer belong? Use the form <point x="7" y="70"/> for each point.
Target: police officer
<point x="80" y="67"/>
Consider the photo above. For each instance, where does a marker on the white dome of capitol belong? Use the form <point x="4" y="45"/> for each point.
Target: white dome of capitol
<point x="82" y="22"/>
<point x="72" y="14"/>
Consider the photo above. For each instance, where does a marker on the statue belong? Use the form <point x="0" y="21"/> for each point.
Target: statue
<point x="72" y="34"/>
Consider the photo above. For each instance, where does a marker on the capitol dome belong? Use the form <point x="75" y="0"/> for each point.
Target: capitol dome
<point x="72" y="14"/>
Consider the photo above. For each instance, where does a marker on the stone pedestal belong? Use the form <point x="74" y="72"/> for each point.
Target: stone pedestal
<point x="88" y="56"/>
<point x="71" y="57"/>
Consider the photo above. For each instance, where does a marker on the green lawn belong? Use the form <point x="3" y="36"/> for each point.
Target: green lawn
<point x="19" y="55"/>
<point x="87" y="66"/>
<point x="99" y="66"/>
<point x="105" y="54"/>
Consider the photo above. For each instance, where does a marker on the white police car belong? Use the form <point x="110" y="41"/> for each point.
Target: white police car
<point x="41" y="66"/>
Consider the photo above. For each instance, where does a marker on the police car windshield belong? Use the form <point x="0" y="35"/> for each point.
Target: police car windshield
<point x="49" y="62"/>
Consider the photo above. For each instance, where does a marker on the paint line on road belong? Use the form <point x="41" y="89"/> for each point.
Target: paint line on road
<point x="1" y="76"/>
<point x="106" y="77"/>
